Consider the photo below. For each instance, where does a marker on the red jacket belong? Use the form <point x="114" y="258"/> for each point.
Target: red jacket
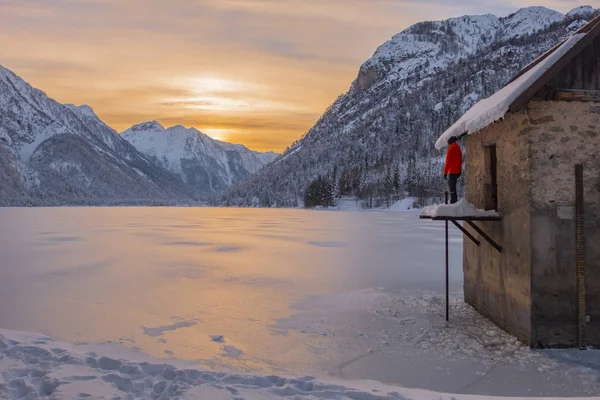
<point x="453" y="160"/>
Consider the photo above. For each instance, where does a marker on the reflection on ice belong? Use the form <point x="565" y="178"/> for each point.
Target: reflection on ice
<point x="285" y="292"/>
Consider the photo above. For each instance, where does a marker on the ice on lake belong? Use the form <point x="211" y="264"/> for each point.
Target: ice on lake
<point x="336" y="295"/>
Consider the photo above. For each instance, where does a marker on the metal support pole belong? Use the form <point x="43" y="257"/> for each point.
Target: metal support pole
<point x="447" y="272"/>
<point x="466" y="232"/>
<point x="580" y="240"/>
<point x="484" y="235"/>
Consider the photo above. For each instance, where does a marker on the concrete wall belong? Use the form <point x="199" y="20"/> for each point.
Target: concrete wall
<point x="499" y="285"/>
<point x="561" y="135"/>
<point x="531" y="288"/>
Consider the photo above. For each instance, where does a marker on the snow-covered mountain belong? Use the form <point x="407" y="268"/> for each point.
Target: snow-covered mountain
<point x="376" y="141"/>
<point x="202" y="162"/>
<point x="52" y="153"/>
<point x="581" y="12"/>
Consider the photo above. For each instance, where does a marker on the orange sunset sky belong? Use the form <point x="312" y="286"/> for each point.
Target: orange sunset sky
<point x="257" y="72"/>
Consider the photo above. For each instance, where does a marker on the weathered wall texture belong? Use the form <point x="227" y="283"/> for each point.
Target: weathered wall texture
<point x="499" y="285"/>
<point x="562" y="135"/>
<point x="531" y="288"/>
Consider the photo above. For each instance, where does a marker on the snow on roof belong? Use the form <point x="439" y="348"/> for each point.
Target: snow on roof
<point x="461" y="209"/>
<point x="494" y="108"/>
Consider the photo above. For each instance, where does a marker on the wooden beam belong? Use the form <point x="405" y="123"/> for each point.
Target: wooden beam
<point x="577" y="95"/>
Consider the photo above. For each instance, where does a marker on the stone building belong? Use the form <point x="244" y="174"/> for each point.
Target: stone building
<point x="525" y="148"/>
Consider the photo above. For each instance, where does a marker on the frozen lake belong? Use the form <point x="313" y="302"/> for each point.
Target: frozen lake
<point x="351" y="295"/>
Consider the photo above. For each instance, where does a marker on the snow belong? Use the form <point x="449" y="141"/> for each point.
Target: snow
<point x="37" y="366"/>
<point x="290" y="152"/>
<point x="413" y="48"/>
<point x="83" y="110"/>
<point x="27" y="150"/>
<point x="406" y="204"/>
<point x="495" y="107"/>
<point x="349" y="204"/>
<point x="581" y="11"/>
<point x="197" y="303"/>
<point x="576" y="25"/>
<point x="460" y="209"/>
<point x="42" y="129"/>
<point x="529" y="20"/>
<point x="173" y="146"/>
<point x="354" y="204"/>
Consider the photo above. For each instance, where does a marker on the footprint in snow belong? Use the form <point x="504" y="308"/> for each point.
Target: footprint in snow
<point x="217" y="338"/>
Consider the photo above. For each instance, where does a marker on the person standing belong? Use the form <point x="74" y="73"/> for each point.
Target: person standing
<point x="453" y="167"/>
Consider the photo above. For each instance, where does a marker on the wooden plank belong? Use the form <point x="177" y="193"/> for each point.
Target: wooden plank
<point x="593" y="66"/>
<point x="597" y="48"/>
<point x="562" y="80"/>
<point x="578" y="72"/>
<point x="585" y="68"/>
<point x="567" y="73"/>
<point x="577" y="95"/>
<point x="580" y="251"/>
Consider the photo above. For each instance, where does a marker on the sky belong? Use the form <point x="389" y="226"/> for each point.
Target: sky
<point x="256" y="72"/>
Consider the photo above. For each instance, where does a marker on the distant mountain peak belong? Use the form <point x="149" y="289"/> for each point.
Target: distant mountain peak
<point x="536" y="10"/>
<point x="582" y="11"/>
<point x="84" y="110"/>
<point x="52" y="153"/>
<point x="433" y="45"/>
<point x="147" y="126"/>
<point x="414" y="87"/>
<point x="202" y="162"/>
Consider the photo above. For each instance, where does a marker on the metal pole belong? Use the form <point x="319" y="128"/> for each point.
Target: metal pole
<point x="580" y="232"/>
<point x="447" y="273"/>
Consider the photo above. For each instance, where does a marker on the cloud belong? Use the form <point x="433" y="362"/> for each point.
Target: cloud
<point x="285" y="61"/>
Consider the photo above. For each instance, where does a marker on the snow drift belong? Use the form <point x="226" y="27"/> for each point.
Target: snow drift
<point x="460" y="209"/>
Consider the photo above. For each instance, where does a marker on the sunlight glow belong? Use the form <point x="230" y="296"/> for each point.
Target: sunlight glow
<point x="266" y="69"/>
<point x="218" y="133"/>
<point x="204" y="85"/>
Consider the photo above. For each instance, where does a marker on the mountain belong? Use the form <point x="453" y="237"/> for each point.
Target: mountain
<point x="582" y="12"/>
<point x="52" y="153"/>
<point x="203" y="163"/>
<point x="375" y="142"/>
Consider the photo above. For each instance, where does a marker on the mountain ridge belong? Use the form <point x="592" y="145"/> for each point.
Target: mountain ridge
<point x="375" y="141"/>
<point x="200" y="161"/>
<point x="59" y="154"/>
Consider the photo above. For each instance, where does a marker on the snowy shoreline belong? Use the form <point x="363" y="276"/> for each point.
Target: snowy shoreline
<point x="36" y="366"/>
<point x="343" y="204"/>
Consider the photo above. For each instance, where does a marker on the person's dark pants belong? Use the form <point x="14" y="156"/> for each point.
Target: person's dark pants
<point x="452" y="182"/>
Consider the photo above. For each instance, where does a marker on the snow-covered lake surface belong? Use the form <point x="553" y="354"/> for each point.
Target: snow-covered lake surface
<point x="235" y="300"/>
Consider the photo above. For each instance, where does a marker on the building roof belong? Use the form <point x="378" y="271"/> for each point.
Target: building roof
<point x="517" y="93"/>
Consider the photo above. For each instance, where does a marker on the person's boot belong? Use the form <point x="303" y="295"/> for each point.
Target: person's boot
<point x="453" y="198"/>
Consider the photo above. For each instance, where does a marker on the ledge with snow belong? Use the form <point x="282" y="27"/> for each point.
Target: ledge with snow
<point x="460" y="211"/>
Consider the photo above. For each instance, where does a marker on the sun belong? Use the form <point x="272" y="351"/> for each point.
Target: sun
<point x="211" y="93"/>
<point x="220" y="134"/>
<point x="213" y="85"/>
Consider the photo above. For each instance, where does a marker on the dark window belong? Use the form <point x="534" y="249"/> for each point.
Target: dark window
<point x="491" y="185"/>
